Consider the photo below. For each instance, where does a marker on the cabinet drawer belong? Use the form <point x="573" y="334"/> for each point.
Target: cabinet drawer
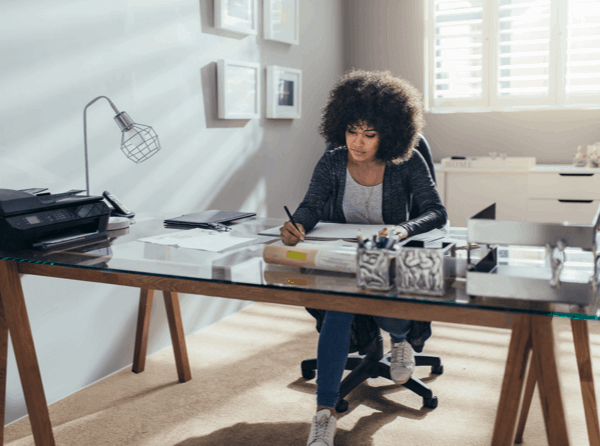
<point x="574" y="186"/>
<point x="555" y="211"/>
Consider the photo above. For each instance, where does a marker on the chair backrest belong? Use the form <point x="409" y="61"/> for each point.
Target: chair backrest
<point x="425" y="151"/>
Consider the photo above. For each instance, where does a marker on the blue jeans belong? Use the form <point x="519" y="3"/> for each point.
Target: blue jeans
<point x="332" y="352"/>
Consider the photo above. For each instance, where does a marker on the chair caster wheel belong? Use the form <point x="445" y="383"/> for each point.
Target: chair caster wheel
<point x="308" y="374"/>
<point x="437" y="369"/>
<point x="430" y="403"/>
<point x="341" y="406"/>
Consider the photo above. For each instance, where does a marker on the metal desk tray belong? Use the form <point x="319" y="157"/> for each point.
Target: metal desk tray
<point x="556" y="281"/>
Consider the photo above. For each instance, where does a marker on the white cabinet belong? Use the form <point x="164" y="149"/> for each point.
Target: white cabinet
<point x="545" y="193"/>
<point x="558" y="193"/>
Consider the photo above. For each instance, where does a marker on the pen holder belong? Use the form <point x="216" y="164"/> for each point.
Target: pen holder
<point x="374" y="269"/>
<point x="424" y="270"/>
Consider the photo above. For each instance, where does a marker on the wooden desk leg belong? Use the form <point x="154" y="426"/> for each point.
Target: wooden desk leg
<point x="512" y="384"/>
<point x="547" y="374"/>
<point x="581" y="340"/>
<point x="141" y="335"/>
<point x="527" y="398"/>
<point x="3" y="355"/>
<point x="17" y="320"/>
<point x="177" y="336"/>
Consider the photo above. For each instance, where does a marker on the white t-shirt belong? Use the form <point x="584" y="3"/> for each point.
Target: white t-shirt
<point x="362" y="204"/>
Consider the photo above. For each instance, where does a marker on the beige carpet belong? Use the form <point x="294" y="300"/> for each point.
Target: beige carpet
<point x="246" y="389"/>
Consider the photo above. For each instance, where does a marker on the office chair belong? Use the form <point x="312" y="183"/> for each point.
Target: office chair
<point x="372" y="362"/>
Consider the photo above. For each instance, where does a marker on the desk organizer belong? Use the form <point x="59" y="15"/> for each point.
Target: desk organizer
<point x="424" y="270"/>
<point x="553" y="283"/>
<point x="375" y="269"/>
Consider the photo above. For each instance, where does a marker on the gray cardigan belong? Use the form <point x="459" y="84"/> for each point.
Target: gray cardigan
<point x="402" y="184"/>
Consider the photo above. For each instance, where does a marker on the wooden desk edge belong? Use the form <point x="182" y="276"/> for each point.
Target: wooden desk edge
<point x="425" y="311"/>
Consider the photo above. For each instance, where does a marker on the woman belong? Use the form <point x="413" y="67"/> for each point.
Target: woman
<point x="372" y="177"/>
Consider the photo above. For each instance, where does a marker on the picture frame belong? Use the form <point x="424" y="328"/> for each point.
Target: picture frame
<point x="240" y="16"/>
<point x="284" y="92"/>
<point x="238" y="88"/>
<point x="282" y="21"/>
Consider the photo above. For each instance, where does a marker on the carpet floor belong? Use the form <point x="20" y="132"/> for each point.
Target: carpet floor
<point x="246" y="389"/>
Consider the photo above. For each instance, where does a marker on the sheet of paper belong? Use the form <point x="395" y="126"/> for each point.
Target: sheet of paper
<point x="348" y="231"/>
<point x="203" y="239"/>
<point x="324" y="231"/>
<point x="434" y="234"/>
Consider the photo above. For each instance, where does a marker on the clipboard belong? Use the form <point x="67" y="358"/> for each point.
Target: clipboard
<point x="207" y="219"/>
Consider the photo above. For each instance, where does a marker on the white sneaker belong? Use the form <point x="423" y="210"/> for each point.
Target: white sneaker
<point x="322" y="430"/>
<point x="402" y="362"/>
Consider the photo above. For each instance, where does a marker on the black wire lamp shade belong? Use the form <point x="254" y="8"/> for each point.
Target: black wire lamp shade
<point x="138" y="142"/>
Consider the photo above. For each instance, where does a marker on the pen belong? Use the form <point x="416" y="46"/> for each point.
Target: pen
<point x="287" y="211"/>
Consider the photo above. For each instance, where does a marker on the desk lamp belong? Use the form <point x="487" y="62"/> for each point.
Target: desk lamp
<point x="138" y="143"/>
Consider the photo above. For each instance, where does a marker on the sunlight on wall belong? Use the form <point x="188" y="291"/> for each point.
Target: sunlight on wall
<point x="257" y="200"/>
<point x="149" y="57"/>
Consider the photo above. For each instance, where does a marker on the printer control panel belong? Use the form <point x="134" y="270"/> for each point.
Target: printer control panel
<point x="51" y="217"/>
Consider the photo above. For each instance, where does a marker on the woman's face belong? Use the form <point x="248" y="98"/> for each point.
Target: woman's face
<point x="362" y="142"/>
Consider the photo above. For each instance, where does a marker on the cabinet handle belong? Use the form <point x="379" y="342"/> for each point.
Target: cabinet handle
<point x="575" y="201"/>
<point x="576" y="174"/>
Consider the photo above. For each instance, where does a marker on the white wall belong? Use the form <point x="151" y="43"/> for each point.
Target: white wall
<point x="389" y="35"/>
<point x="155" y="59"/>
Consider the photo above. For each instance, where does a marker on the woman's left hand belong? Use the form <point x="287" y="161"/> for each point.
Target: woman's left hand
<point x="399" y="231"/>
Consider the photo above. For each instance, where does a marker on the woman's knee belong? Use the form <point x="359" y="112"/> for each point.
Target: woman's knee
<point x="337" y="317"/>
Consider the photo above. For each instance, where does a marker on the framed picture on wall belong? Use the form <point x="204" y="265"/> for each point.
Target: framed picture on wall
<point x="284" y="92"/>
<point x="282" y="20"/>
<point x="240" y="16"/>
<point x="238" y="88"/>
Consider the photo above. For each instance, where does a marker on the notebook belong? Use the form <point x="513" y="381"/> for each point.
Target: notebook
<point x="348" y="231"/>
<point x="207" y="218"/>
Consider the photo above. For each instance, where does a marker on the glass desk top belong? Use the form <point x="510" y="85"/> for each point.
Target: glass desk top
<point x="122" y="251"/>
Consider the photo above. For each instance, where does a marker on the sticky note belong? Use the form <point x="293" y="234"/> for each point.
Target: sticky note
<point x="296" y="255"/>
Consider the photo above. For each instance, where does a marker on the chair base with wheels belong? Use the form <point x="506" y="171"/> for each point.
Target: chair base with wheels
<point x="375" y="364"/>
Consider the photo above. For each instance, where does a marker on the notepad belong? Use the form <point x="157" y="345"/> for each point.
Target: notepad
<point x="348" y="231"/>
<point x="333" y="231"/>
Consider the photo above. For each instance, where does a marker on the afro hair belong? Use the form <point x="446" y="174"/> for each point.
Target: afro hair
<point x="388" y="104"/>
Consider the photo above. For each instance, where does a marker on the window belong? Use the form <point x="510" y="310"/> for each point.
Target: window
<point x="486" y="55"/>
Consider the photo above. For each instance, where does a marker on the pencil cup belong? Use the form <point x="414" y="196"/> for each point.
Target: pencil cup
<point x="374" y="269"/>
<point x="425" y="270"/>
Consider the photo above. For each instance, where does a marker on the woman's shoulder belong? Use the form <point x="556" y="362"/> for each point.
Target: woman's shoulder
<point x="337" y="152"/>
<point x="415" y="161"/>
<point x="337" y="156"/>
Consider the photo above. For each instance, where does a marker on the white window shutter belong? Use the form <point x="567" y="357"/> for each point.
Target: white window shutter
<point x="522" y="57"/>
<point x="456" y="74"/>
<point x="582" y="78"/>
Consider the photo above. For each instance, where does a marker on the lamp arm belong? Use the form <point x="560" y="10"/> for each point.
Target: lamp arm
<point x="87" y="175"/>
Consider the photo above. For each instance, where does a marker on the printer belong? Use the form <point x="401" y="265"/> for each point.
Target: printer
<point x="45" y="220"/>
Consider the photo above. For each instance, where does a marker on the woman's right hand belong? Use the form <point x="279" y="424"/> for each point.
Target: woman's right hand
<point x="290" y="235"/>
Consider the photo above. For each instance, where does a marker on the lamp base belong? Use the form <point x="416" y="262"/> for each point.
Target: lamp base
<point x="117" y="223"/>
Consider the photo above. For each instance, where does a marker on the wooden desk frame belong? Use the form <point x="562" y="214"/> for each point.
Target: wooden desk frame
<point x="530" y="334"/>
